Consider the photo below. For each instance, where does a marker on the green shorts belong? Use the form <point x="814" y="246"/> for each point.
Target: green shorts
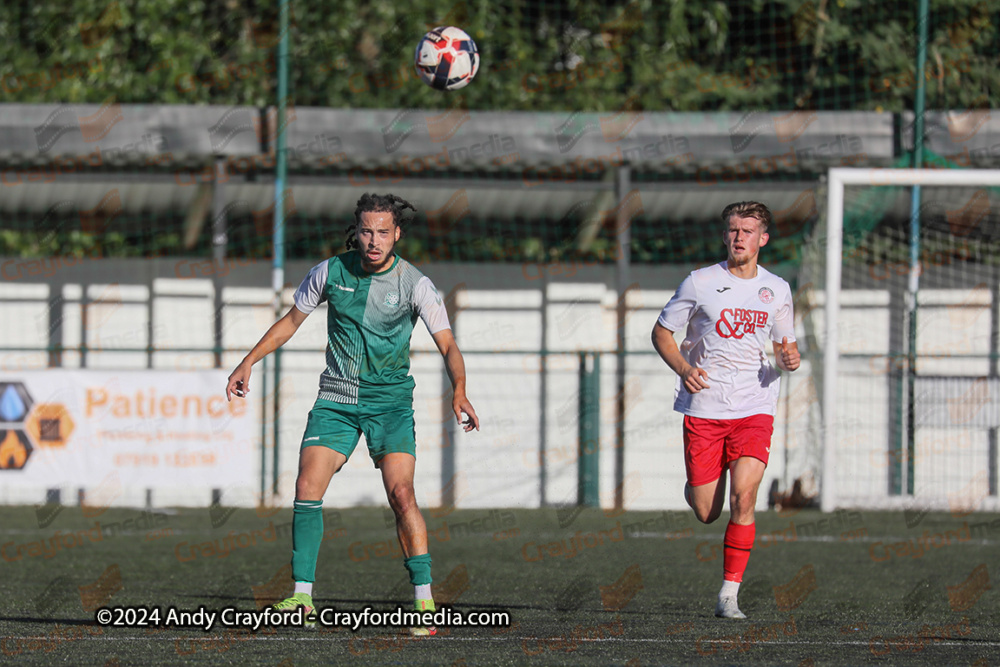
<point x="339" y="426"/>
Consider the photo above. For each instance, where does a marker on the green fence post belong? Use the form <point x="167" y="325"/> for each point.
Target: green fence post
<point x="280" y="201"/>
<point x="589" y="429"/>
<point x="913" y="285"/>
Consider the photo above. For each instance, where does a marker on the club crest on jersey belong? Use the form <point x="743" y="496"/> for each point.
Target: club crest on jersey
<point x="765" y="294"/>
<point x="392" y="299"/>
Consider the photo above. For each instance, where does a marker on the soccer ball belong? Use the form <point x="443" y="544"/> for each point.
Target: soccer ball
<point x="446" y="58"/>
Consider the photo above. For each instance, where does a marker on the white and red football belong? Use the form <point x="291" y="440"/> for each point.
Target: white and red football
<point x="447" y="58"/>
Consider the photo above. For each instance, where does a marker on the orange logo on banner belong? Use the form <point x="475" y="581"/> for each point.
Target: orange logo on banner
<point x="14" y="450"/>
<point x="49" y="425"/>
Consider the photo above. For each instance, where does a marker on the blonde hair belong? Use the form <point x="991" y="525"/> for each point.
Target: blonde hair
<point x="748" y="209"/>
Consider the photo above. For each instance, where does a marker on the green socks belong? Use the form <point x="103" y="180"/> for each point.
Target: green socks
<point x="419" y="568"/>
<point x="307" y="535"/>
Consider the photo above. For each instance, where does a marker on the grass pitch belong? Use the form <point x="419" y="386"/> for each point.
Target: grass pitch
<point x="582" y="587"/>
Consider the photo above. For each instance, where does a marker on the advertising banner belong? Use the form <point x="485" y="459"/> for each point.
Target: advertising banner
<point x="111" y="431"/>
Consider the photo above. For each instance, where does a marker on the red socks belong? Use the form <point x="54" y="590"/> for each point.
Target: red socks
<point x="736" y="550"/>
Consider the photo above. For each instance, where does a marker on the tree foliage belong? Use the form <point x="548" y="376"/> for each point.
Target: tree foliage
<point x="537" y="55"/>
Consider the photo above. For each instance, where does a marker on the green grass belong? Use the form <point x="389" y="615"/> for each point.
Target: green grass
<point x="839" y="601"/>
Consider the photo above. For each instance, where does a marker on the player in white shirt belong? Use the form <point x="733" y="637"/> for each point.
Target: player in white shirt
<point x="726" y="387"/>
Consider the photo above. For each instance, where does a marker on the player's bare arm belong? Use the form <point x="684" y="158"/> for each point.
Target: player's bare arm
<point x="455" y="364"/>
<point x="692" y="377"/>
<point x="276" y="336"/>
<point x="787" y="354"/>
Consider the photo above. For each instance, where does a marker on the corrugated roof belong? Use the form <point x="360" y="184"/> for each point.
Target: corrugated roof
<point x="506" y="166"/>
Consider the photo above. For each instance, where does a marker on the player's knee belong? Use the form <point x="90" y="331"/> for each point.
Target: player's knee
<point x="402" y="498"/>
<point x="306" y="489"/>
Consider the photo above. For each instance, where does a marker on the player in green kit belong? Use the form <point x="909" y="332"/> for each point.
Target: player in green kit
<point x="374" y="298"/>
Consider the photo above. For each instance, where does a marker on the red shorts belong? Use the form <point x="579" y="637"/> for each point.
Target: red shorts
<point x="710" y="444"/>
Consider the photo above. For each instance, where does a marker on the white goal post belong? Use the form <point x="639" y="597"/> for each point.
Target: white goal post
<point x="831" y="497"/>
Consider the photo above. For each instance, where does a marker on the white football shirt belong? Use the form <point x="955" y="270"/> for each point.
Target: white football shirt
<point x="729" y="323"/>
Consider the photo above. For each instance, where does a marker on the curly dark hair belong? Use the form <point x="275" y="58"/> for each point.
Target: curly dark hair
<point x="373" y="203"/>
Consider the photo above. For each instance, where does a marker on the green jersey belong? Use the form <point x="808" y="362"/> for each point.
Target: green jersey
<point x="370" y="317"/>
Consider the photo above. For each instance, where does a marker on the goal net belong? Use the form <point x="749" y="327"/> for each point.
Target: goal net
<point x="905" y="315"/>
